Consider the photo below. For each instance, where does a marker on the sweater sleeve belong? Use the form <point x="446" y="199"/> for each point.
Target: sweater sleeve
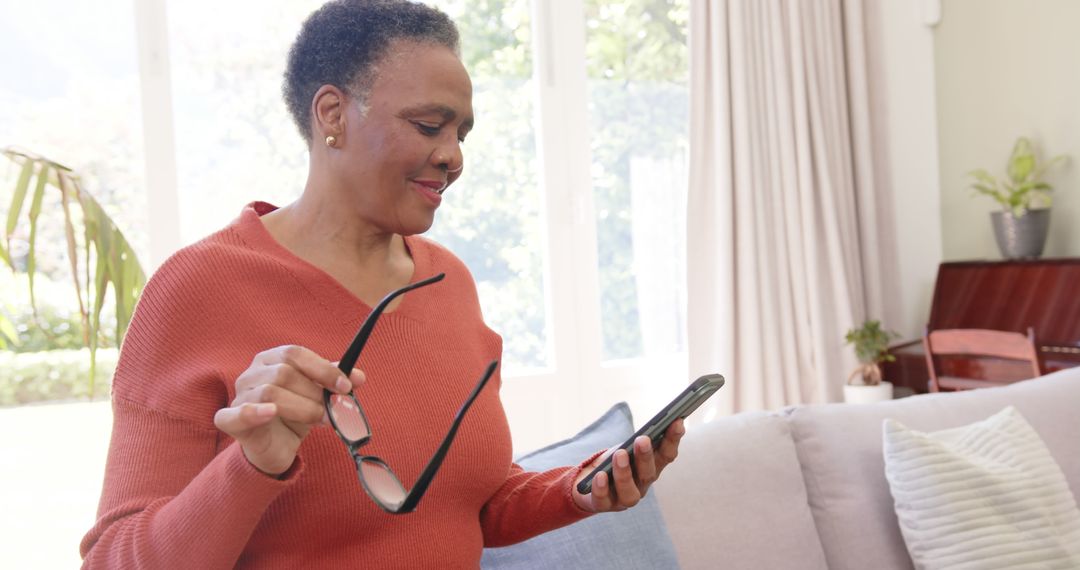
<point x="531" y="503"/>
<point x="161" y="498"/>
<point x="172" y="480"/>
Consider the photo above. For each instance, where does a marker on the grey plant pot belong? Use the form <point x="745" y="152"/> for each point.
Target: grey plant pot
<point x="1021" y="237"/>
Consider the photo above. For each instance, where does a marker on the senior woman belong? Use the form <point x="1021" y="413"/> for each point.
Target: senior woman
<point x="222" y="454"/>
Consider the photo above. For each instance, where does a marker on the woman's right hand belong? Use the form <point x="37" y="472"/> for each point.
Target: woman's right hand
<point x="278" y="400"/>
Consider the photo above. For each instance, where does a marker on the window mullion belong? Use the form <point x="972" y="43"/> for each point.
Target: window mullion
<point x="163" y="222"/>
<point x="564" y="152"/>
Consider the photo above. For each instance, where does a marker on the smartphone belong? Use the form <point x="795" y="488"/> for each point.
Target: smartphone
<point x="683" y="405"/>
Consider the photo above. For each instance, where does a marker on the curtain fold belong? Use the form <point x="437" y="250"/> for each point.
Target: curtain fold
<point x="784" y="239"/>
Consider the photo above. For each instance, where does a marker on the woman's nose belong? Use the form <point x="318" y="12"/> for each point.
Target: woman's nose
<point x="449" y="157"/>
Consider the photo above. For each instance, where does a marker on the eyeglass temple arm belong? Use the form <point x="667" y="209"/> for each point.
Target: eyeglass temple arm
<point x="348" y="361"/>
<point x="433" y="465"/>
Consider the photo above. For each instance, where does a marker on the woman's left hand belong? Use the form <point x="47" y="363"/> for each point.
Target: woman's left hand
<point x="629" y="485"/>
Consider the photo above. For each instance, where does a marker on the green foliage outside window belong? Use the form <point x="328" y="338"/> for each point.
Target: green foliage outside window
<point x="637" y="69"/>
<point x="49" y="360"/>
<point x="637" y="64"/>
<point x="31" y="377"/>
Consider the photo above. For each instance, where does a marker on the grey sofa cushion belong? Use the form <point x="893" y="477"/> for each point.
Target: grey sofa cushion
<point x="636" y="538"/>
<point x="840" y="450"/>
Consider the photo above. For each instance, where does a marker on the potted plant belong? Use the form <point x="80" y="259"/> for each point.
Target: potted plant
<point x="871" y="344"/>
<point x="1021" y="226"/>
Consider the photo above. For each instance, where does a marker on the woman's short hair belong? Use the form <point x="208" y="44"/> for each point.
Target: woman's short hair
<point x="342" y="42"/>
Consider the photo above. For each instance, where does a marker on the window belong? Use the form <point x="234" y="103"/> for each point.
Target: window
<point x="235" y="141"/>
<point x="492" y="216"/>
<point x="611" y="128"/>
<point x="636" y="59"/>
<point x="571" y="212"/>
<point x="516" y="215"/>
<point x="69" y="92"/>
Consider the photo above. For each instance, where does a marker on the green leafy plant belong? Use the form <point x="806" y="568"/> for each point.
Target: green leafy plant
<point x="9" y="337"/>
<point x="54" y="323"/>
<point x="1023" y="187"/>
<point x="100" y="245"/>
<point x="871" y="344"/>
<point x="52" y="375"/>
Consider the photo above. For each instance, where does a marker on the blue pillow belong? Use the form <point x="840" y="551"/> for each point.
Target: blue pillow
<point x="636" y="538"/>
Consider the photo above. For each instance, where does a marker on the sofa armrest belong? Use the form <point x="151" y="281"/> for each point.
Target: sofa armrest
<point x="735" y="497"/>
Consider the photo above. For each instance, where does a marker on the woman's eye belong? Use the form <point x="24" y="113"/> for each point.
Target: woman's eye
<point x="429" y="130"/>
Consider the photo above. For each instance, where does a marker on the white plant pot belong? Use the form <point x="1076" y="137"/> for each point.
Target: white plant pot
<point x="862" y="394"/>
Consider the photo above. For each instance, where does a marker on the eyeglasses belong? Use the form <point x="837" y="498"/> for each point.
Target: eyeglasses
<point x="349" y="421"/>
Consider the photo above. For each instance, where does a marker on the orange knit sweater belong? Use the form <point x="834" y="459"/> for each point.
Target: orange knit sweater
<point x="178" y="493"/>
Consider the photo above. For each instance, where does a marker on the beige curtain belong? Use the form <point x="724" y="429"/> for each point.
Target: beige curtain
<point x="786" y="235"/>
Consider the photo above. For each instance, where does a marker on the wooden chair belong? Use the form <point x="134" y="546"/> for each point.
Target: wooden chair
<point x="976" y="344"/>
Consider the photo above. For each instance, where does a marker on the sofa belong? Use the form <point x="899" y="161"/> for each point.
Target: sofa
<point x="805" y="488"/>
<point x="980" y="479"/>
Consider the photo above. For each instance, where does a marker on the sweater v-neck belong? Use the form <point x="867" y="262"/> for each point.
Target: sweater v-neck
<point x="325" y="287"/>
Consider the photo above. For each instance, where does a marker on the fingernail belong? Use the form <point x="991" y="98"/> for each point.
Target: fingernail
<point x="264" y="410"/>
<point x="643" y="445"/>
<point x="343" y="385"/>
<point x="357" y="376"/>
<point x="601" y="480"/>
<point x="622" y="459"/>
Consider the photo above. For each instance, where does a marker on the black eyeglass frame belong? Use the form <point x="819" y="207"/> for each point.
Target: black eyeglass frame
<point x="348" y="361"/>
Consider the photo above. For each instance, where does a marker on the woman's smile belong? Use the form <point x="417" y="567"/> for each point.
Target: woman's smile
<point x="430" y="189"/>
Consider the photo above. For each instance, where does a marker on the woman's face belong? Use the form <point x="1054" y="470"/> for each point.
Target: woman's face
<point x="402" y="148"/>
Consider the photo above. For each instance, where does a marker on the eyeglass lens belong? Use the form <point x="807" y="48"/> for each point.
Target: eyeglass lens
<point x="382" y="483"/>
<point x="348" y="418"/>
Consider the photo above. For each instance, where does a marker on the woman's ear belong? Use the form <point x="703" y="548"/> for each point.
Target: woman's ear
<point x="328" y="114"/>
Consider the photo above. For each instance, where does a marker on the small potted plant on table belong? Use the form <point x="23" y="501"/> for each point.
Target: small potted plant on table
<point x="871" y="344"/>
<point x="1021" y="226"/>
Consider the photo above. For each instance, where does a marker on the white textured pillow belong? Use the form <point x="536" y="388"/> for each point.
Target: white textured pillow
<point x="985" y="495"/>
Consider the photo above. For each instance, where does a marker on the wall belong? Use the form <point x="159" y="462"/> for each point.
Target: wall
<point x="1006" y="68"/>
<point x="903" y="88"/>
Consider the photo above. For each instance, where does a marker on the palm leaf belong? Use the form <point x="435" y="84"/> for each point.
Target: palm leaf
<point x="4" y="253"/>
<point x="66" y="187"/>
<point x="35" y="211"/>
<point x="17" y="199"/>
<point x="104" y="246"/>
<point x="100" y="281"/>
<point x="132" y="285"/>
<point x="8" y="334"/>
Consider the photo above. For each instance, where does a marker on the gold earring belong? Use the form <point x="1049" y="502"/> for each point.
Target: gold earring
<point x="331" y="141"/>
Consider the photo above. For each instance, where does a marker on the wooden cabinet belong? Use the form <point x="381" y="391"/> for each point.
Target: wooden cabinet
<point x="1002" y="295"/>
